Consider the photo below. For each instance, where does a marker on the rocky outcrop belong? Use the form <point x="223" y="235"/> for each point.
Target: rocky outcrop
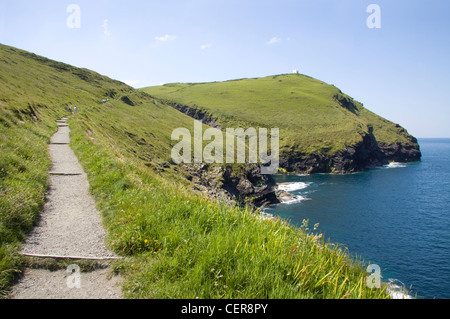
<point x="401" y="153"/>
<point x="244" y="185"/>
<point x="196" y="113"/>
<point x="366" y="154"/>
<point x="250" y="187"/>
<point x="125" y="99"/>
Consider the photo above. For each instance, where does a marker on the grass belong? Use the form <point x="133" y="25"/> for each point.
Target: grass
<point x="313" y="117"/>
<point x="185" y="246"/>
<point x="180" y="244"/>
<point x="36" y="91"/>
<point x="24" y="164"/>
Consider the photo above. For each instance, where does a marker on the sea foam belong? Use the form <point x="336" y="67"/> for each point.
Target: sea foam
<point x="397" y="290"/>
<point x="292" y="187"/>
<point x="294" y="200"/>
<point x="395" y="165"/>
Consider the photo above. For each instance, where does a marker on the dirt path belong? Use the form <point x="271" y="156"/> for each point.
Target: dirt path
<point x="69" y="227"/>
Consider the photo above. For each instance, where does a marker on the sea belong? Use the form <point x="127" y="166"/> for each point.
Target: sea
<point x="396" y="217"/>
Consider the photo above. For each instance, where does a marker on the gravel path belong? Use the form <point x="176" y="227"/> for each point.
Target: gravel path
<point x="70" y="226"/>
<point x="44" y="284"/>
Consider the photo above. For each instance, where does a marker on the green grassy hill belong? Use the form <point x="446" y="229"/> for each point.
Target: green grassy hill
<point x="321" y="128"/>
<point x="180" y="243"/>
<point x="36" y="91"/>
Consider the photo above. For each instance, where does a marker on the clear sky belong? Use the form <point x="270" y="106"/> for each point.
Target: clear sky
<point x="400" y="71"/>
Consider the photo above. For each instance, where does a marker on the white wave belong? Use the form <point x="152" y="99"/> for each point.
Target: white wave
<point x="291" y="187"/>
<point x="395" y="165"/>
<point x="399" y="295"/>
<point x="266" y="216"/>
<point x="397" y="290"/>
<point x="293" y="200"/>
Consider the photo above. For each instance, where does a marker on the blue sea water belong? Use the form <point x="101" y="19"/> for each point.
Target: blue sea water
<point x="397" y="217"/>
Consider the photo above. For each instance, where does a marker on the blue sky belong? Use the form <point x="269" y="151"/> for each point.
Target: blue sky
<point x="400" y="71"/>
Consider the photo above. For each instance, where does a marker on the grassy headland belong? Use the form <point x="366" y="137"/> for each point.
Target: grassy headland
<point x="315" y="120"/>
<point x="180" y="243"/>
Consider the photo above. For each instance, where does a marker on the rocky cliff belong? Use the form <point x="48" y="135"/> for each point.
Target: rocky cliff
<point x="368" y="153"/>
<point x="322" y="130"/>
<point x="243" y="185"/>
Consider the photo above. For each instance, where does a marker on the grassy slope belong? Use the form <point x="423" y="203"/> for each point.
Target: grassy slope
<point x="181" y="245"/>
<point x="306" y="110"/>
<point x="34" y="92"/>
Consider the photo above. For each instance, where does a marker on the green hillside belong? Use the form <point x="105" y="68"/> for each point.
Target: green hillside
<point x="180" y="243"/>
<point x="36" y="91"/>
<point x="314" y="118"/>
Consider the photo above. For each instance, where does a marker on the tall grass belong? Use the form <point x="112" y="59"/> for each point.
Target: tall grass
<point x="24" y="164"/>
<point x="34" y="92"/>
<point x="183" y="245"/>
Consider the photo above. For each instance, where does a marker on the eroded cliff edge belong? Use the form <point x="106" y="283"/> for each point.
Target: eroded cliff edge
<point x="322" y="130"/>
<point x="247" y="186"/>
<point x="367" y="153"/>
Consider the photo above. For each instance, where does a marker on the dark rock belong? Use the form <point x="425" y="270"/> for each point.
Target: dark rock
<point x="164" y="165"/>
<point x="247" y="187"/>
<point x="125" y="99"/>
<point x="365" y="154"/>
<point x="197" y="114"/>
<point x="251" y="187"/>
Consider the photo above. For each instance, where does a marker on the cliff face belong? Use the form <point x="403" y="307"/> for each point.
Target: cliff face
<point x="250" y="187"/>
<point x="368" y="153"/>
<point x="244" y="185"/>
<point x="322" y="130"/>
<point x="401" y="153"/>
